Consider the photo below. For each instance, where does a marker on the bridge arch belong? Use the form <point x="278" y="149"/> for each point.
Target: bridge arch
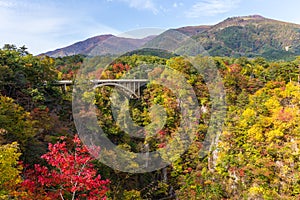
<point x="130" y="87"/>
<point x="126" y="90"/>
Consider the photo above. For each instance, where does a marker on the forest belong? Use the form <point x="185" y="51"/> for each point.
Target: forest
<point x="256" y="154"/>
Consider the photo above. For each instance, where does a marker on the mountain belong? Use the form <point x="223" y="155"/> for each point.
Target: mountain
<point x="252" y="36"/>
<point x="248" y="36"/>
<point x="101" y="45"/>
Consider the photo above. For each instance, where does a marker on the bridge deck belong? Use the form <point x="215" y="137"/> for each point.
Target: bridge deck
<point x="100" y="81"/>
<point x="129" y="86"/>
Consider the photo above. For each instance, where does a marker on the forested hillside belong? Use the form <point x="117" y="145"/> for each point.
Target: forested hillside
<point x="256" y="155"/>
<point x="252" y="36"/>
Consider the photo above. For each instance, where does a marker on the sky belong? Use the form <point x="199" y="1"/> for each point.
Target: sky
<point x="43" y="25"/>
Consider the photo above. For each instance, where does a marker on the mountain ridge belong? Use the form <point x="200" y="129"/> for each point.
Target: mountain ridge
<point x="93" y="45"/>
<point x="250" y="36"/>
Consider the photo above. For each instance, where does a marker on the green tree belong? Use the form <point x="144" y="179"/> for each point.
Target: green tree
<point x="17" y="124"/>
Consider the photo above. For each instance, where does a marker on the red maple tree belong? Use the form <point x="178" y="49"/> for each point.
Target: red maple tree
<point x="70" y="175"/>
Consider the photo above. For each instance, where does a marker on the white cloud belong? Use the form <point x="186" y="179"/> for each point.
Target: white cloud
<point x="176" y="5"/>
<point x="43" y="27"/>
<point x="142" y="5"/>
<point x="211" y="8"/>
<point x="7" y="4"/>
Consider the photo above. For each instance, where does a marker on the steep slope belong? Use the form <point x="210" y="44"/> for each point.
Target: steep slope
<point x="79" y="47"/>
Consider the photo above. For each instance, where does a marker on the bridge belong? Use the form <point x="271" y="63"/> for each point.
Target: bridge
<point x="131" y="87"/>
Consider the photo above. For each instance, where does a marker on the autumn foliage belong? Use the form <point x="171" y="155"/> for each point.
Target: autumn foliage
<point x="256" y="155"/>
<point x="70" y="174"/>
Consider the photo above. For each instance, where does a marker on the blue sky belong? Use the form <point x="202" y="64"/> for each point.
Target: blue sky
<point x="43" y="25"/>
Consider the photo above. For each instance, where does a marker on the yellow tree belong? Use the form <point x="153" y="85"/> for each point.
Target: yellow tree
<point x="9" y="168"/>
<point x="259" y="152"/>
